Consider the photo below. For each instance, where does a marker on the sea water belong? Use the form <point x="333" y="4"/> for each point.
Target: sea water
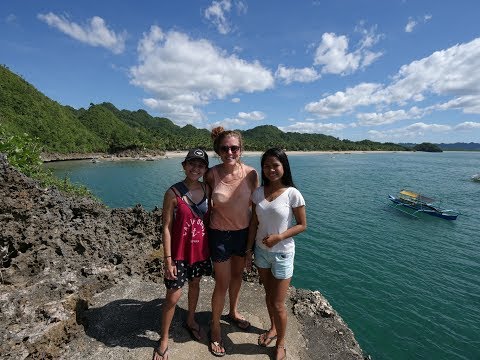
<point x="408" y="287"/>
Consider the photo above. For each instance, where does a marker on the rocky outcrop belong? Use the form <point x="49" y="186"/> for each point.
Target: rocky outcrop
<point x="132" y="154"/>
<point x="57" y="252"/>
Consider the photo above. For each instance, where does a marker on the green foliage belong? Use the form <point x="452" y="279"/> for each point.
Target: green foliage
<point x="428" y="147"/>
<point x="23" y="153"/>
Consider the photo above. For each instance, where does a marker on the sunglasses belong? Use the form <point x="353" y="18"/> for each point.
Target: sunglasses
<point x="233" y="148"/>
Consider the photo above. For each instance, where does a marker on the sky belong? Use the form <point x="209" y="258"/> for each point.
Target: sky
<point x="402" y="71"/>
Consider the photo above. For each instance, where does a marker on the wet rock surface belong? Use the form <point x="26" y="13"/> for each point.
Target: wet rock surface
<point x="59" y="255"/>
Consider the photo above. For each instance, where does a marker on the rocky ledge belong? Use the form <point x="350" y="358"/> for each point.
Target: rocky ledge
<point x="60" y="254"/>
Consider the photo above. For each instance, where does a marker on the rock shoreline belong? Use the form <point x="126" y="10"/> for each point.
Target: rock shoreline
<point x="126" y="154"/>
<point x="58" y="253"/>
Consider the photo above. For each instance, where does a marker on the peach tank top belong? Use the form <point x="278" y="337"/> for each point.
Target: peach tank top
<point x="231" y="202"/>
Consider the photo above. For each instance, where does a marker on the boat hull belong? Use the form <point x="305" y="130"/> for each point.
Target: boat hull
<point x="424" y="208"/>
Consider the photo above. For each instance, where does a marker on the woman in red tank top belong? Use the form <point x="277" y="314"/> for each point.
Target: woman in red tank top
<point x="185" y="245"/>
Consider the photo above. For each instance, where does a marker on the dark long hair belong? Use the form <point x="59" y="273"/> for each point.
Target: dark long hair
<point x="286" y="179"/>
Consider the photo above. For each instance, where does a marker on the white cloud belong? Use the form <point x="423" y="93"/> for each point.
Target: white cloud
<point x="235" y="100"/>
<point x="333" y="52"/>
<point x="228" y="123"/>
<point x="241" y="7"/>
<point x="415" y="131"/>
<point x="216" y="14"/>
<point x="95" y="32"/>
<point x="344" y="102"/>
<point x="389" y="117"/>
<point x="289" y="75"/>
<point x="312" y="127"/>
<point x="447" y="73"/>
<point x="469" y="104"/>
<point x="467" y="126"/>
<point x="183" y="74"/>
<point x="410" y="25"/>
<point x="254" y="115"/>
<point x="10" y="19"/>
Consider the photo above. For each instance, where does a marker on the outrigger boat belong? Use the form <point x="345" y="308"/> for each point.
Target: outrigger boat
<point x="419" y="203"/>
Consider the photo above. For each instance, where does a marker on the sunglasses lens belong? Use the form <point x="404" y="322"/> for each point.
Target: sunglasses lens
<point x="233" y="148"/>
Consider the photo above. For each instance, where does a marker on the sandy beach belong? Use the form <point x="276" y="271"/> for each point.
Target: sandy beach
<point x="212" y="154"/>
<point x="158" y="155"/>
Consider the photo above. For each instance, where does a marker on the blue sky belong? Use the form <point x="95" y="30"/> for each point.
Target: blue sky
<point x="384" y="70"/>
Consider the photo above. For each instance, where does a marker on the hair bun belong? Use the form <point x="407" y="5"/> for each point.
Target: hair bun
<point x="216" y="131"/>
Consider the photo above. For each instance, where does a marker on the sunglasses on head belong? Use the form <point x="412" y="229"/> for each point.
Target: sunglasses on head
<point x="233" y="148"/>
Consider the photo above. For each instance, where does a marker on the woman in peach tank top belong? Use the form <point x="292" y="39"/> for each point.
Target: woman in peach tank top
<point x="232" y="184"/>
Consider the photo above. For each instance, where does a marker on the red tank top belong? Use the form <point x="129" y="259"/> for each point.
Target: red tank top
<point x="189" y="235"/>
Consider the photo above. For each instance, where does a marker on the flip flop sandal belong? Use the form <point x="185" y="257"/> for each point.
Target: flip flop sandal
<point x="242" y="324"/>
<point x="264" y="340"/>
<point x="156" y="351"/>
<point x="217" y="344"/>
<point x="195" y="334"/>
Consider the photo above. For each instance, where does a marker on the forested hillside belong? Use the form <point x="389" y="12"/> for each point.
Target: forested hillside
<point x="104" y="128"/>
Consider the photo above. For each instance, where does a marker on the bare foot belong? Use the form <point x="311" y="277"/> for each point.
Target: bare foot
<point x="281" y="352"/>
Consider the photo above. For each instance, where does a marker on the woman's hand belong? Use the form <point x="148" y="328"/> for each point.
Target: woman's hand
<point x="170" y="270"/>
<point x="248" y="260"/>
<point x="271" y="240"/>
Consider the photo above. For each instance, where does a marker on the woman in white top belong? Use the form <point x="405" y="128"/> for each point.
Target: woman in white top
<point x="274" y="206"/>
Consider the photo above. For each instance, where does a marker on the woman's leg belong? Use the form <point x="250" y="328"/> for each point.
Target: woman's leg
<point x="237" y="267"/>
<point x="279" y="294"/>
<point x="193" y="293"/>
<point x="222" y="280"/>
<point x="267" y="279"/>
<point x="171" y="299"/>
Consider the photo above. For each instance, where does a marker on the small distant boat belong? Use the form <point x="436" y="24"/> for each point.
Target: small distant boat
<point x="407" y="200"/>
<point x="476" y="177"/>
<point x="95" y="160"/>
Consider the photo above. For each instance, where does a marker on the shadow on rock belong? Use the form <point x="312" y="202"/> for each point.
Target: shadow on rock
<point x="135" y="324"/>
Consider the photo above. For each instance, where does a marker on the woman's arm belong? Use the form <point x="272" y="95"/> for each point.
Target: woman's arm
<point x="210" y="181"/>
<point x="169" y="204"/>
<point x="206" y="218"/>
<point x="301" y="225"/>
<point x="253" y="179"/>
<point x="252" y="233"/>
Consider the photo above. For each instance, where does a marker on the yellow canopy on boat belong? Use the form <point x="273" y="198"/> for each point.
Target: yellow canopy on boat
<point x="416" y="196"/>
<point x="409" y="193"/>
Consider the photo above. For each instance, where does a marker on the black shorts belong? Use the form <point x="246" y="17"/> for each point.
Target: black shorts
<point x="224" y="244"/>
<point x="186" y="272"/>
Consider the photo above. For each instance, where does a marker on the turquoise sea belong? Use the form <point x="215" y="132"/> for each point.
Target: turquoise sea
<point x="408" y="288"/>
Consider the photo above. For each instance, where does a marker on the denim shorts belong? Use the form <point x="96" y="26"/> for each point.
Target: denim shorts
<point x="281" y="264"/>
<point x="224" y="244"/>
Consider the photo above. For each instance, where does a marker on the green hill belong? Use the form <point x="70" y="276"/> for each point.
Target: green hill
<point x="118" y="135"/>
<point x="24" y="109"/>
<point x="103" y="127"/>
